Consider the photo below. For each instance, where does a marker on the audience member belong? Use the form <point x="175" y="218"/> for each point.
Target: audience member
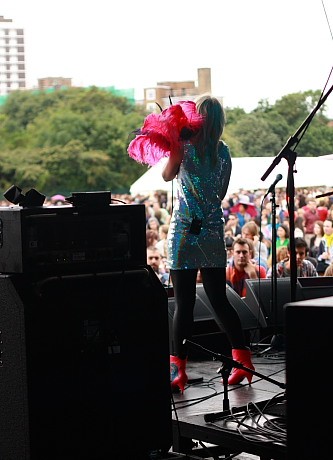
<point x="153" y="223"/>
<point x="316" y="238"/>
<point x="161" y="214"/>
<point x="325" y="252"/>
<point x="322" y="210"/>
<point x="226" y="209"/>
<point x="154" y="259"/>
<point x="310" y="217"/>
<point x="233" y="224"/>
<point x="250" y="230"/>
<point x="162" y="244"/>
<point x="305" y="268"/>
<point x="329" y="270"/>
<point x="299" y="227"/>
<point x="151" y="237"/>
<point x="282" y="236"/>
<point x="229" y="241"/>
<point x="242" y="266"/>
<point x="281" y="254"/>
<point x="242" y="214"/>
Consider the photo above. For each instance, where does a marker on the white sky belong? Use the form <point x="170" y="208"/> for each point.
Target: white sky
<point x="256" y="49"/>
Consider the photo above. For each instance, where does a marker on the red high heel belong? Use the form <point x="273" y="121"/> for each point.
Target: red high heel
<point x="177" y="373"/>
<point x="237" y="375"/>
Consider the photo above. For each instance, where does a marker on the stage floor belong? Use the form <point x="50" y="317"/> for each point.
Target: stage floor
<point x="209" y="423"/>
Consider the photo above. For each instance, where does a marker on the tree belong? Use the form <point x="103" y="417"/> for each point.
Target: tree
<point x="76" y="139"/>
<point x="45" y="131"/>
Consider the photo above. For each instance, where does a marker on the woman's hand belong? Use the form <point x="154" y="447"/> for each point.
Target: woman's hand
<point x="171" y="168"/>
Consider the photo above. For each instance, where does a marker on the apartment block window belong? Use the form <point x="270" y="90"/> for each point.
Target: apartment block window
<point x="151" y="107"/>
<point x="150" y="94"/>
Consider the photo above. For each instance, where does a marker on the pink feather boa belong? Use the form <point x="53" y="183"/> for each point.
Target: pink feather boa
<point x="161" y="133"/>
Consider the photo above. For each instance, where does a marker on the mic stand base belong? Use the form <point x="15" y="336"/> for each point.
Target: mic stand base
<point x="277" y="344"/>
<point x="225" y="369"/>
<point x="230" y="363"/>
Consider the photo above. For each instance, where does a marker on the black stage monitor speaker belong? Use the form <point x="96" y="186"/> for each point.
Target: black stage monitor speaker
<point x="259" y="296"/>
<point x="308" y="326"/>
<point x="84" y="370"/>
<point x="205" y="322"/>
<point x="315" y="287"/>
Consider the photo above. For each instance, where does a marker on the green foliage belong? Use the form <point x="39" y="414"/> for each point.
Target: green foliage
<point x="265" y="131"/>
<point x="76" y="139"/>
<point x="68" y="140"/>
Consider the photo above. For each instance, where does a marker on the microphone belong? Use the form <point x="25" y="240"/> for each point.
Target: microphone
<point x="272" y="187"/>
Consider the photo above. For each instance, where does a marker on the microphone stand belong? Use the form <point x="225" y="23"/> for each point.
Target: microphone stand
<point x="290" y="155"/>
<point x="277" y="342"/>
<point x="224" y="370"/>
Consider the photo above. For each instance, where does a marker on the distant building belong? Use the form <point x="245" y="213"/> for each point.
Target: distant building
<point x="54" y="83"/>
<point x="176" y="90"/>
<point x="12" y="57"/>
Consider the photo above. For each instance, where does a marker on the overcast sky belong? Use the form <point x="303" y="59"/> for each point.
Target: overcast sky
<point x="256" y="49"/>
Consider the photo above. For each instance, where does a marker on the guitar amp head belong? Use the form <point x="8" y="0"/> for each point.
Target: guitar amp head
<point x="70" y="239"/>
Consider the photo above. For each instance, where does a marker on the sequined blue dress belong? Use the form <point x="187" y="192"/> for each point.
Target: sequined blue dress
<point x="200" y="189"/>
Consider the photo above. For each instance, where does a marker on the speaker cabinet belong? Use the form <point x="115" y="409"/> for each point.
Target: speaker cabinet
<point x="84" y="370"/>
<point x="309" y="387"/>
<point x="259" y="296"/>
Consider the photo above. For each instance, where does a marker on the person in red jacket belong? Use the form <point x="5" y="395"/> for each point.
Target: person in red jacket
<point x="310" y="217"/>
<point x="243" y="266"/>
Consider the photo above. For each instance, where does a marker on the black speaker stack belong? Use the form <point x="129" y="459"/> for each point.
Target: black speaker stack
<point x="309" y="388"/>
<point x="84" y="370"/>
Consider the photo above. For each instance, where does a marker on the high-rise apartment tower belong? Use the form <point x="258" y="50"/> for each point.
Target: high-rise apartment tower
<point x="12" y="57"/>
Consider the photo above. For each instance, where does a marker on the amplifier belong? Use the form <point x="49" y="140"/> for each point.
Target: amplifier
<point x="70" y="239"/>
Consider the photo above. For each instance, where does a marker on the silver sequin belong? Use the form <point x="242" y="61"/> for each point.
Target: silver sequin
<point x="200" y="190"/>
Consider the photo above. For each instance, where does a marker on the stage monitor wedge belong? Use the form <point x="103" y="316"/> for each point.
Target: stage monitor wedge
<point x="259" y="295"/>
<point x="315" y="287"/>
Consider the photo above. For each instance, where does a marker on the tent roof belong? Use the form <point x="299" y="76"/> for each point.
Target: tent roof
<point x="247" y="172"/>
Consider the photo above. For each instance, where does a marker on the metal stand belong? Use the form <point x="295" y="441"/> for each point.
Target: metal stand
<point x="277" y="341"/>
<point x="290" y="155"/>
<point x="225" y="371"/>
<point x="228" y="364"/>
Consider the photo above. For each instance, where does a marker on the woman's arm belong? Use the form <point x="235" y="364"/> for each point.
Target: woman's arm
<point x="171" y="168"/>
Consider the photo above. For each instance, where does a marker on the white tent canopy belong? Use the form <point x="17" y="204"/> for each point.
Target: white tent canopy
<point x="247" y="172"/>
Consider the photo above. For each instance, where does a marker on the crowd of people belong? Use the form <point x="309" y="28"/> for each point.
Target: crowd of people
<point x="313" y="236"/>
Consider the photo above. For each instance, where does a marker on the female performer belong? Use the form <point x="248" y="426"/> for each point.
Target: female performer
<point x="202" y="165"/>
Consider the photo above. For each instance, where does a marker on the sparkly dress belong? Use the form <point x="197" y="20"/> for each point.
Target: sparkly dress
<point x="200" y="190"/>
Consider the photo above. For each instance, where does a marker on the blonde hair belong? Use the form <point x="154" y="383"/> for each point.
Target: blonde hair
<point x="329" y="270"/>
<point x="282" y="253"/>
<point x="251" y="227"/>
<point x="207" y="140"/>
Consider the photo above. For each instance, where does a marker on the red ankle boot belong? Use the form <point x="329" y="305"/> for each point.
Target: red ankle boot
<point x="243" y="357"/>
<point x="177" y="373"/>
